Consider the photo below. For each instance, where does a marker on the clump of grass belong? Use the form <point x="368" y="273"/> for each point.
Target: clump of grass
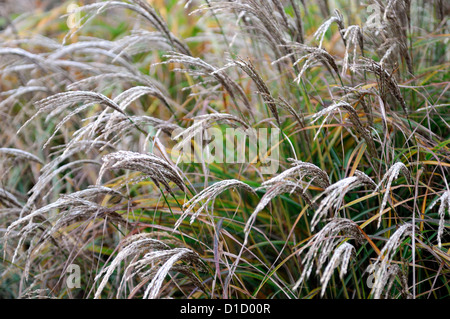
<point x="93" y="117"/>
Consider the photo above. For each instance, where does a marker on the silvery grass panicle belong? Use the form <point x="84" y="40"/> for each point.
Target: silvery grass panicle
<point x="390" y="176"/>
<point x="141" y="41"/>
<point x="299" y="171"/>
<point x="138" y="6"/>
<point x="81" y="200"/>
<point x="341" y="257"/>
<point x="207" y="196"/>
<point x="9" y="200"/>
<point x="38" y="294"/>
<point x="79" y="51"/>
<point x="50" y="173"/>
<point x="132" y="246"/>
<point x="159" y="170"/>
<point x="146" y="251"/>
<point x="19" y="154"/>
<point x="353" y="37"/>
<point x="397" y="19"/>
<point x="355" y="120"/>
<point x="386" y="27"/>
<point x="155" y="19"/>
<point x="265" y="18"/>
<point x="83" y="47"/>
<point x="59" y="102"/>
<point x="324" y="242"/>
<point x="386" y="82"/>
<point x="272" y="103"/>
<point x="203" y="68"/>
<point x="16" y="94"/>
<point x="169" y="261"/>
<point x="110" y="129"/>
<point x="294" y="26"/>
<point x="358" y="94"/>
<point x="445" y="205"/>
<point x="20" y="57"/>
<point x="334" y="194"/>
<point x="127" y="97"/>
<point x="312" y="55"/>
<point x="72" y="208"/>
<point x="336" y="18"/>
<point x="203" y="122"/>
<point x="40" y="70"/>
<point x="275" y="189"/>
<point x="117" y="124"/>
<point x="385" y="283"/>
<point x="383" y="265"/>
<point x="100" y="81"/>
<point x="289" y="181"/>
<point x="263" y="90"/>
<point x="286" y="182"/>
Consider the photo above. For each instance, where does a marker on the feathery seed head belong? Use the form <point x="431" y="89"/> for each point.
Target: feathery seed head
<point x="325" y="241"/>
<point x="390" y="176"/>
<point x="156" y="168"/>
<point x="208" y="195"/>
<point x="341" y="256"/>
<point x="334" y="194"/>
<point x="445" y="205"/>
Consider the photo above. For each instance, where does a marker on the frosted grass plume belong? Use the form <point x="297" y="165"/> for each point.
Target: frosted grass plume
<point x="354" y="37"/>
<point x="19" y="154"/>
<point x="203" y="68"/>
<point x="334" y="195"/>
<point x="336" y="18"/>
<point x="156" y="168"/>
<point x="383" y="264"/>
<point x="390" y="176"/>
<point x="313" y="54"/>
<point x="324" y="242"/>
<point x="341" y="257"/>
<point x="155" y="253"/>
<point x="445" y="205"/>
<point x="207" y="196"/>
